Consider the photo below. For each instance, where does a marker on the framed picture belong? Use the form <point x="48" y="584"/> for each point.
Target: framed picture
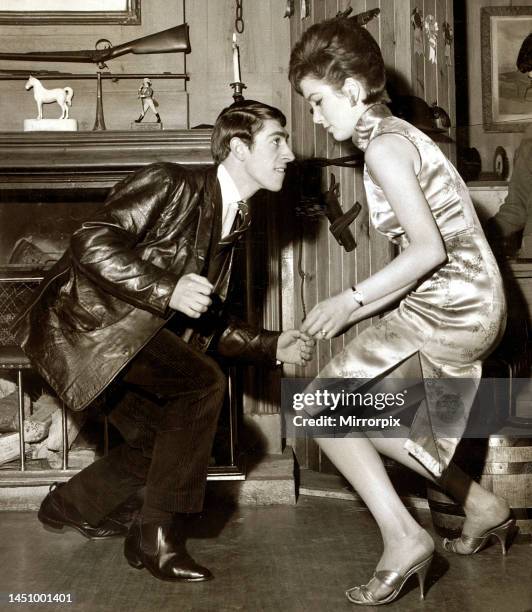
<point x="506" y="92"/>
<point x="75" y="12"/>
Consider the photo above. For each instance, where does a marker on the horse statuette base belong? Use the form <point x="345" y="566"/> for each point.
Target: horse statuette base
<point x="50" y="125"/>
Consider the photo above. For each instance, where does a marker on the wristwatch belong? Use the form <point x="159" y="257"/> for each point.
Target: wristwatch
<point x="357" y="296"/>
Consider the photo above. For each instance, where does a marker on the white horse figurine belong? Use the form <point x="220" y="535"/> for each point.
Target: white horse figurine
<point x="42" y="95"/>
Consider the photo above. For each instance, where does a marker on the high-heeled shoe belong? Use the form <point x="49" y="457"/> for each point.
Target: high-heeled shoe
<point x="363" y="596"/>
<point x="472" y="544"/>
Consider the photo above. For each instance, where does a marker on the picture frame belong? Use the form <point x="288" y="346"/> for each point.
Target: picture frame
<point x="72" y="12"/>
<point x="506" y="92"/>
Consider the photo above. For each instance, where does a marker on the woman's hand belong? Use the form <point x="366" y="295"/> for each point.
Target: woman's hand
<point x="329" y="317"/>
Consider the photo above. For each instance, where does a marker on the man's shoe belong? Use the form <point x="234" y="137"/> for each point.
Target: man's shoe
<point x="161" y="550"/>
<point x="57" y="513"/>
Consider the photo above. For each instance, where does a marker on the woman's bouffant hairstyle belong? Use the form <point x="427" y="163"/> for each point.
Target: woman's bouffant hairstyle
<point x="336" y="49"/>
<point x="241" y="120"/>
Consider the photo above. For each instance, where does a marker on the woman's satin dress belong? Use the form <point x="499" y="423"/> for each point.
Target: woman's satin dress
<point x="451" y="321"/>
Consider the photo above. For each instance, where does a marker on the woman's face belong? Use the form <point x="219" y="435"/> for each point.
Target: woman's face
<point x="337" y="110"/>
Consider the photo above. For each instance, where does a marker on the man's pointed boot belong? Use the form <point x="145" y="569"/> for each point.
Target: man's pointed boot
<point x="160" y="548"/>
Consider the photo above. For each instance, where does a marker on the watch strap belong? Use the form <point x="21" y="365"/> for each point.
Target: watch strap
<point x="357" y="296"/>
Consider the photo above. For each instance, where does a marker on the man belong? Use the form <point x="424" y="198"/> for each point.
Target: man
<point x="511" y="228"/>
<point x="149" y="272"/>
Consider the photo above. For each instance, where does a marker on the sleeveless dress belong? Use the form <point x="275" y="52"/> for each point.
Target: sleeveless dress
<point x="453" y="318"/>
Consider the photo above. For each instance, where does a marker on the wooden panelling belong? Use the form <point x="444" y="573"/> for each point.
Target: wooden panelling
<point x="264" y="53"/>
<point x="443" y="83"/>
<point x="449" y="82"/>
<point x="417" y="77"/>
<point x="430" y="68"/>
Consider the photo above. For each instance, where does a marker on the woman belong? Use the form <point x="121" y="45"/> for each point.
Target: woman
<point x="451" y="311"/>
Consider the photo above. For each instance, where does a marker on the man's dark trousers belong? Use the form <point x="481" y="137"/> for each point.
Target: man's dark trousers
<point x="168" y="442"/>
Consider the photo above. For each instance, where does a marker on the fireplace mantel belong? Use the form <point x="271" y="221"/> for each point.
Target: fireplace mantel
<point x="66" y="160"/>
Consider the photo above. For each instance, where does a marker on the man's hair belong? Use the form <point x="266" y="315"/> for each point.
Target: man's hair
<point x="336" y="49"/>
<point x="524" y="57"/>
<point x="241" y="120"/>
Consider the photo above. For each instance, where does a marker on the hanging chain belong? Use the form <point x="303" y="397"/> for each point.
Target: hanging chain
<point x="239" y="20"/>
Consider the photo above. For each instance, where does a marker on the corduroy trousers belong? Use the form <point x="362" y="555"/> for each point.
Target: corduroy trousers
<point x="166" y="406"/>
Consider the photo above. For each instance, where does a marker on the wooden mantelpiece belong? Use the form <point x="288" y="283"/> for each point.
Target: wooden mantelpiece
<point x="56" y="160"/>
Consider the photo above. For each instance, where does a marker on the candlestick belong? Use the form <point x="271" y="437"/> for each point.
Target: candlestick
<point x="238" y="87"/>
<point x="236" y="61"/>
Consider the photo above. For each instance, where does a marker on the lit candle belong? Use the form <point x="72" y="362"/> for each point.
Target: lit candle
<point x="236" y="61"/>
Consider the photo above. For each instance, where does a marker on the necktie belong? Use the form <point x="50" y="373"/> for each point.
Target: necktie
<point x="241" y="223"/>
<point x="244" y="216"/>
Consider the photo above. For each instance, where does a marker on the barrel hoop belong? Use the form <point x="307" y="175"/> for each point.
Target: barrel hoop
<point x="495" y="442"/>
<point x="453" y="509"/>
<point x="506" y="468"/>
<point x="508" y="454"/>
<point x="521" y="514"/>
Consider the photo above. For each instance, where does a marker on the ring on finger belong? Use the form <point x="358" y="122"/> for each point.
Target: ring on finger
<point x="323" y="333"/>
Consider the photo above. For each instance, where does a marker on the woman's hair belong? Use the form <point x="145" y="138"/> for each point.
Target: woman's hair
<point x="336" y="49"/>
<point x="241" y="120"/>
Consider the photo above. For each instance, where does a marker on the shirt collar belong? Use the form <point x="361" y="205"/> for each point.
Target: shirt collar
<point x="227" y="186"/>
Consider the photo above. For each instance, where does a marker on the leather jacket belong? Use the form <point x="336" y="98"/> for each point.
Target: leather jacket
<point x="109" y="294"/>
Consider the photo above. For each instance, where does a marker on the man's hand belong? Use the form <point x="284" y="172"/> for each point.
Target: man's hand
<point x="295" y="347"/>
<point x="191" y="295"/>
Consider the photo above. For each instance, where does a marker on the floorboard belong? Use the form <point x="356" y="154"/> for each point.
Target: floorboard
<point x="278" y="558"/>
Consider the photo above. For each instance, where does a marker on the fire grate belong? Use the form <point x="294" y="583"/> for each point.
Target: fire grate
<point x="17" y="286"/>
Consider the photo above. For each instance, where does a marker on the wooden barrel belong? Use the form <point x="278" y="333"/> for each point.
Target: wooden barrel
<point x="505" y="468"/>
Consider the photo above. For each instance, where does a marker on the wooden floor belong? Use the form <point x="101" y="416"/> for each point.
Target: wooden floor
<point x="278" y="558"/>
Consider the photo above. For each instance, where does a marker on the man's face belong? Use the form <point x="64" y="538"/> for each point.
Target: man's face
<point x="266" y="160"/>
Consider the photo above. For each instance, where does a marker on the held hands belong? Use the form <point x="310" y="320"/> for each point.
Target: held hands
<point x="295" y="347"/>
<point x="331" y="316"/>
<point x="191" y="295"/>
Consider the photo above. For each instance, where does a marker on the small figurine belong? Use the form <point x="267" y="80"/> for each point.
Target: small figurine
<point x="63" y="96"/>
<point x="145" y="93"/>
<point x="448" y="34"/>
<point x="417" y="25"/>
<point x="431" y="30"/>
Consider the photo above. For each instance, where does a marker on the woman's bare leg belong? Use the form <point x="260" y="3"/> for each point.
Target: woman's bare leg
<point x="483" y="509"/>
<point x="405" y="542"/>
